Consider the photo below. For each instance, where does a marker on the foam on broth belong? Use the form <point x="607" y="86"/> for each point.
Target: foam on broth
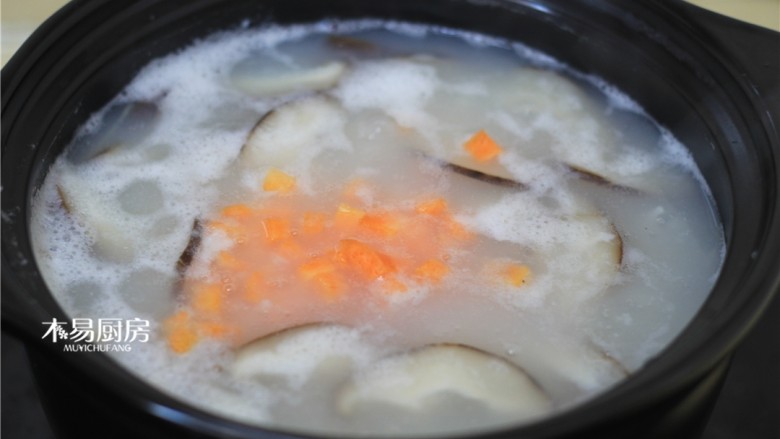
<point x="108" y="230"/>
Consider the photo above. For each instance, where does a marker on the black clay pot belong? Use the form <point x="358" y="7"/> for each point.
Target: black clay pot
<point x="714" y="82"/>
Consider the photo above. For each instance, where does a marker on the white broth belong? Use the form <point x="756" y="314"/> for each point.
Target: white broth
<point x="387" y="230"/>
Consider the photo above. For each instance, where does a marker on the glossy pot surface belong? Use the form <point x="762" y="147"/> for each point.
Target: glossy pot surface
<point x="714" y="82"/>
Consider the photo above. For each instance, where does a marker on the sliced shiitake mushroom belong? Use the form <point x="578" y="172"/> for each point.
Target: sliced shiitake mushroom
<point x="598" y="247"/>
<point x="351" y="44"/>
<point x="122" y="125"/>
<point x="607" y="252"/>
<point x="270" y="356"/>
<point x="611" y="359"/>
<point x="414" y="380"/>
<point x="81" y="201"/>
<point x="593" y="177"/>
<point x="264" y="84"/>
<point x="288" y="132"/>
<point x="482" y="176"/>
<point x="503" y="180"/>
<point x="193" y="245"/>
<point x="618" y="250"/>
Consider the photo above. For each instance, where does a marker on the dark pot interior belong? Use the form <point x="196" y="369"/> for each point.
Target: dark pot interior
<point x="713" y="82"/>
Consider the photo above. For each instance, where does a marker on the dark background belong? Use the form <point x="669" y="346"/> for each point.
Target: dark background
<point x="748" y="406"/>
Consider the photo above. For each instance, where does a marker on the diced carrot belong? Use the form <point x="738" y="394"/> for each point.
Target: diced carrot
<point x="347" y="215"/>
<point x="237" y="211"/>
<point x="517" y="274"/>
<point x="322" y="271"/>
<point x="391" y="285"/>
<point x="181" y="332"/>
<point x="331" y="285"/>
<point x="482" y="147"/>
<point x="313" y="223"/>
<point x="276" y="229"/>
<point x="436" y="206"/>
<point x="363" y="258"/>
<point x="316" y="266"/>
<point x="254" y="288"/>
<point x="278" y="181"/>
<point x="456" y="230"/>
<point x="207" y="298"/>
<point x="290" y="249"/>
<point x="380" y="224"/>
<point x="432" y="270"/>
<point x="275" y="241"/>
<point x="226" y="260"/>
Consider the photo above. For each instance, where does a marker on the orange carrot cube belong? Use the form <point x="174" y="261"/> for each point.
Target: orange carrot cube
<point x="436" y="206"/>
<point x="383" y="225"/>
<point x="207" y="299"/>
<point x="517" y="274"/>
<point x="331" y="286"/>
<point x="391" y="285"/>
<point x="227" y="261"/>
<point x="364" y="259"/>
<point x="313" y="223"/>
<point x="237" y="211"/>
<point x="181" y="332"/>
<point x="432" y="270"/>
<point x="276" y="229"/>
<point x="482" y="147"/>
<point x="347" y="215"/>
<point x="290" y="249"/>
<point x="316" y="266"/>
<point x="278" y="181"/>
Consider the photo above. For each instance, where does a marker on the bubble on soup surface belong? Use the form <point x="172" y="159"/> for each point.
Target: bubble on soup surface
<point x="148" y="291"/>
<point x="141" y="197"/>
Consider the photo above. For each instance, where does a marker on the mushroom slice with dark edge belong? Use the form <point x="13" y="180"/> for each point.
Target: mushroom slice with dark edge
<point x="593" y="177"/>
<point x="286" y="133"/>
<point x="599" y="248"/>
<point x="275" y="83"/>
<point x="265" y="358"/>
<point x="193" y="245"/>
<point x="497" y="180"/>
<point x="414" y="380"/>
<point x="122" y="125"/>
<point x="611" y="359"/>
<point x="503" y="179"/>
<point x="352" y="44"/>
<point x="618" y="251"/>
<point x="606" y="252"/>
